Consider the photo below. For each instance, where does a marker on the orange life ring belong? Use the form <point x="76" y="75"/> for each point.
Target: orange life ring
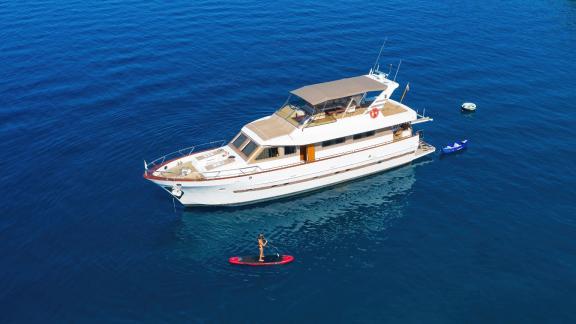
<point x="374" y="112"/>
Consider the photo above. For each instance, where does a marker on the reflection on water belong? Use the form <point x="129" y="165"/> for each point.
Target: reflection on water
<point x="468" y="114"/>
<point x="361" y="207"/>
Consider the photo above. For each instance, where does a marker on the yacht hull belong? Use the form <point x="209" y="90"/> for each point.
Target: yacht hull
<point x="296" y="179"/>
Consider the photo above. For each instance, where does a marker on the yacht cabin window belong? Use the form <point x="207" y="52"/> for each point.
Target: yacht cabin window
<point x="363" y="135"/>
<point x="268" y="152"/>
<point x="289" y="150"/>
<point x="249" y="148"/>
<point x="334" y="141"/>
<point x="239" y="140"/>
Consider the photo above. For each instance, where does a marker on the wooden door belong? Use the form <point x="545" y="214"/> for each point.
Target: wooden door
<point x="310" y="153"/>
<point x="303" y="153"/>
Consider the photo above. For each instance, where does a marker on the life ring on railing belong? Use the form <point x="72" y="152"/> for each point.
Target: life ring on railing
<point x="374" y="112"/>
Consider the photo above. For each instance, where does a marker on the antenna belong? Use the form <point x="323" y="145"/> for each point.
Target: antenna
<point x="376" y="65"/>
<point x="397" y="69"/>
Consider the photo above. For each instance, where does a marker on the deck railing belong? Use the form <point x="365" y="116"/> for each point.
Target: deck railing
<point x="150" y="167"/>
<point x="153" y="166"/>
<point x="230" y="173"/>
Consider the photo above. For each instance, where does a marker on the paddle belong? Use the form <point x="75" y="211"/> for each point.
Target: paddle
<point x="275" y="248"/>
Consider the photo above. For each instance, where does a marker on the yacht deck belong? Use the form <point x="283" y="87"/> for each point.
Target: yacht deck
<point x="185" y="170"/>
<point x="390" y="108"/>
<point x="424" y="149"/>
<point x="197" y="166"/>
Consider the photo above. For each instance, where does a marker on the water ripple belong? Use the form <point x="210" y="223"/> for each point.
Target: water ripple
<point x="90" y="89"/>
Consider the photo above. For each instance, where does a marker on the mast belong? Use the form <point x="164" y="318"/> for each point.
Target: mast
<point x="397" y="69"/>
<point x="376" y="65"/>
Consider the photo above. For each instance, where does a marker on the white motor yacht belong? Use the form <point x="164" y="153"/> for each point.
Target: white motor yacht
<point x="324" y="134"/>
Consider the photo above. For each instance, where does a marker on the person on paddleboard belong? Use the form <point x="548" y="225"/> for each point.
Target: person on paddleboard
<point x="261" y="244"/>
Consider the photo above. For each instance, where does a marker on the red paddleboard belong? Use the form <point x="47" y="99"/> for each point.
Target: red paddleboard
<point x="252" y="260"/>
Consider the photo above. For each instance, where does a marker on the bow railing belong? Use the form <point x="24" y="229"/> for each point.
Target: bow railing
<point x="230" y="172"/>
<point x="150" y="167"/>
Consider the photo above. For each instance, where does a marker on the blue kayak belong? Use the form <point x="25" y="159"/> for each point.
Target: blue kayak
<point x="456" y="147"/>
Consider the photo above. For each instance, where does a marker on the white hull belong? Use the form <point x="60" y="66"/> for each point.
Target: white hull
<point x="330" y="133"/>
<point x="268" y="185"/>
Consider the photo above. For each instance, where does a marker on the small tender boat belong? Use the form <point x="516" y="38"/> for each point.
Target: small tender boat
<point x="457" y="146"/>
<point x="469" y="106"/>
<point x="252" y="260"/>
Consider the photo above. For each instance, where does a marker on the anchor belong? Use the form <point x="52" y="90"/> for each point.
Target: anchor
<point x="177" y="191"/>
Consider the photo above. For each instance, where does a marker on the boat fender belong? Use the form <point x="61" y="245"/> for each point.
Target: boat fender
<point x="374" y="112"/>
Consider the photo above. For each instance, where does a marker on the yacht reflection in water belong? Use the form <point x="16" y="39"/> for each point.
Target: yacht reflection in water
<point x="366" y="206"/>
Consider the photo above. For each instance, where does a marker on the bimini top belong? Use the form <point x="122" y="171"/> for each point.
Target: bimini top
<point x="321" y="92"/>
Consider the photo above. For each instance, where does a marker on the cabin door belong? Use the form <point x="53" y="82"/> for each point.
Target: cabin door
<point x="307" y="153"/>
<point x="310" y="153"/>
<point x="303" y="153"/>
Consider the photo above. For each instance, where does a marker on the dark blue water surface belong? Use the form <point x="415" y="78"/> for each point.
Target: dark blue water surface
<point x="88" y="89"/>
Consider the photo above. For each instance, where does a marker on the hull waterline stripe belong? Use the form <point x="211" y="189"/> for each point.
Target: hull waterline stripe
<point x="323" y="176"/>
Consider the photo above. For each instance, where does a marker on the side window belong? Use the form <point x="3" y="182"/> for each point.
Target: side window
<point x="267" y="153"/>
<point x="334" y="141"/>
<point x="249" y="148"/>
<point x="363" y="135"/>
<point x="239" y="141"/>
<point x="289" y="150"/>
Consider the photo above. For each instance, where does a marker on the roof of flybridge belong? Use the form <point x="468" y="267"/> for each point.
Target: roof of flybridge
<point x="322" y="92"/>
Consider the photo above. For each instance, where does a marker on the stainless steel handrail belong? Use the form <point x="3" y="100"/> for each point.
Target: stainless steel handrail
<point x="231" y="172"/>
<point x="150" y="166"/>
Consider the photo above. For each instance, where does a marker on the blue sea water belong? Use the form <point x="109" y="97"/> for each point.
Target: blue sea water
<point x="88" y="89"/>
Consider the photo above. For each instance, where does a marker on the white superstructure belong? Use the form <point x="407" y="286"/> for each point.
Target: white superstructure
<point x="324" y="134"/>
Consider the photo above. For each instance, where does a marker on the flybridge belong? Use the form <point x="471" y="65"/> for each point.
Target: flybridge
<point x="326" y="102"/>
<point x="319" y="93"/>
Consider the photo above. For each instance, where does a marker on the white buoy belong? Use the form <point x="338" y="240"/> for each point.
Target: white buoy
<point x="469" y="106"/>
